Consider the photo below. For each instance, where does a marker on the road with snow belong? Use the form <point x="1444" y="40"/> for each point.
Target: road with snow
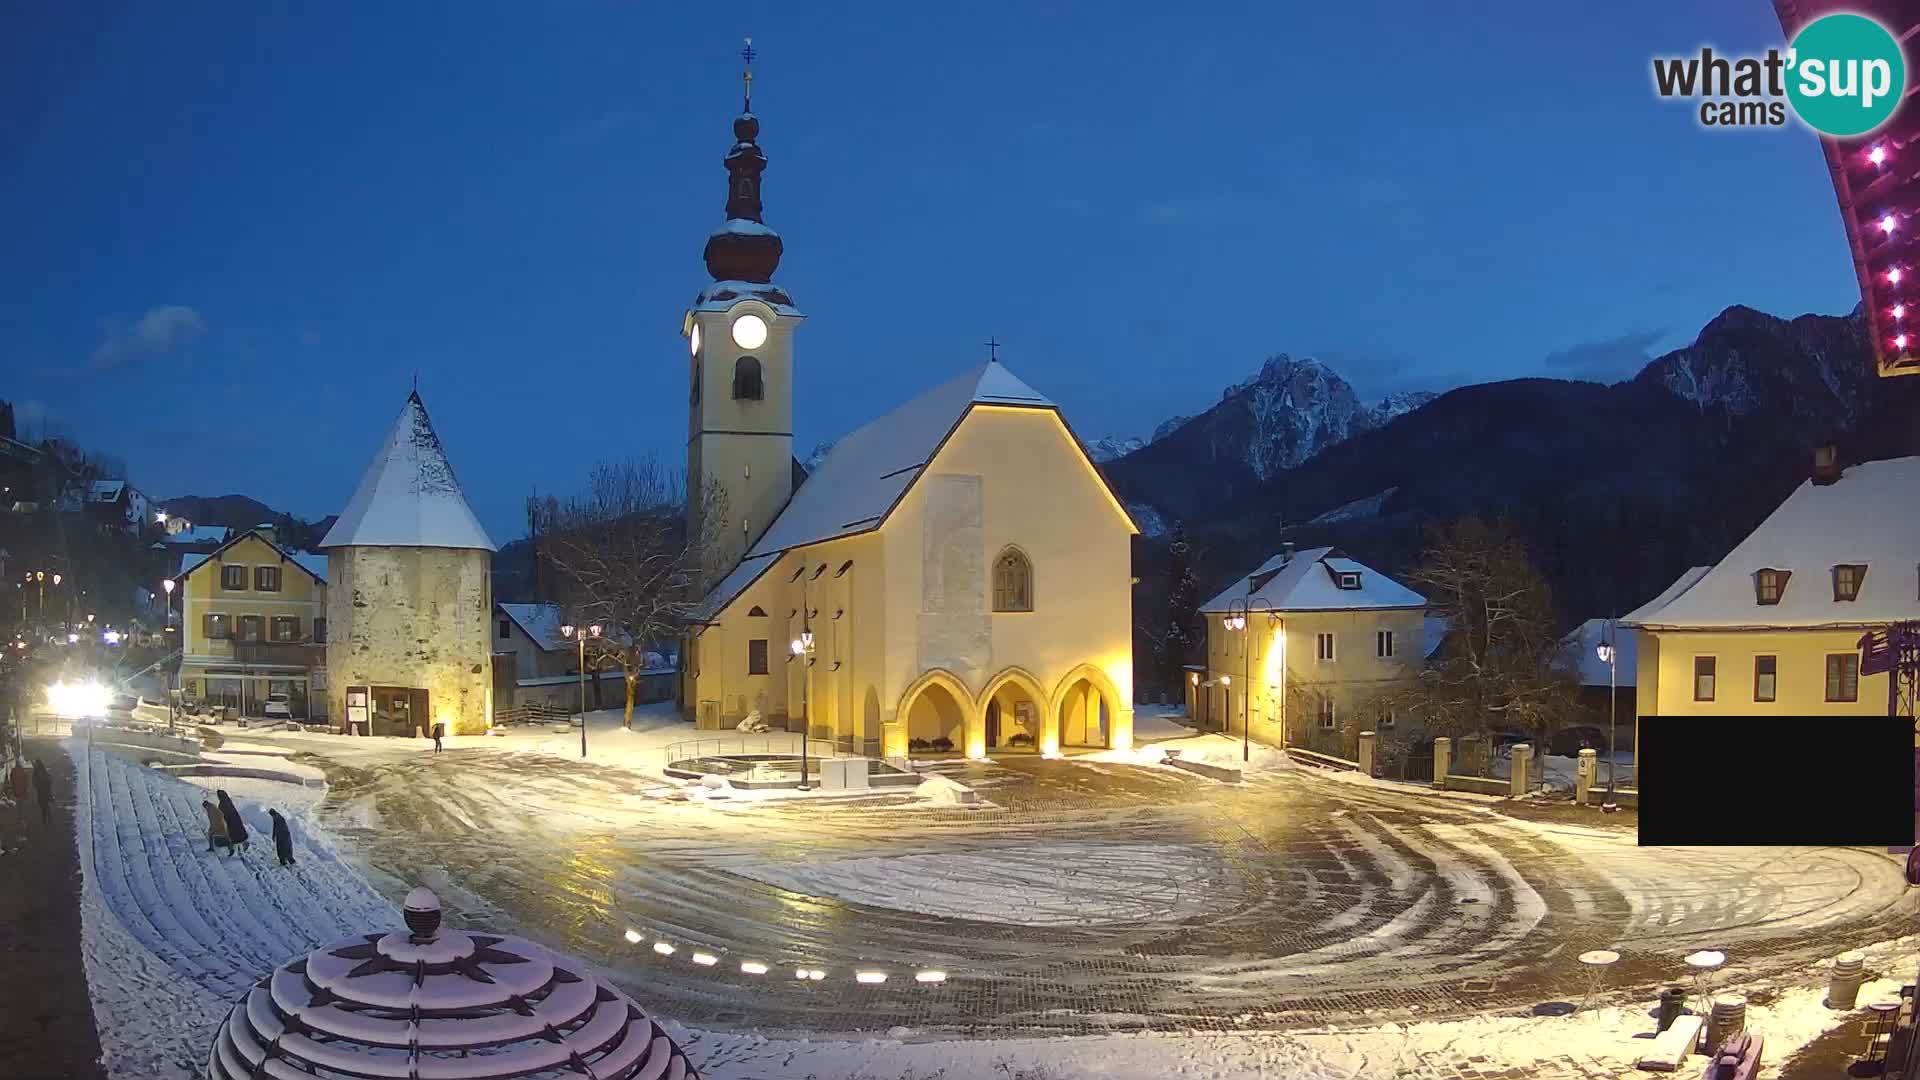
<point x="1085" y="898"/>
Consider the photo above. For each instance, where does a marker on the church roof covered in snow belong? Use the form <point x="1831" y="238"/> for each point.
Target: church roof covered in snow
<point x="409" y="497"/>
<point x="867" y="472"/>
<point x="1869" y="517"/>
<point x="1312" y="580"/>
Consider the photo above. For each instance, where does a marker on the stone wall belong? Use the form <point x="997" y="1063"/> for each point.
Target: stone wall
<point x="415" y="617"/>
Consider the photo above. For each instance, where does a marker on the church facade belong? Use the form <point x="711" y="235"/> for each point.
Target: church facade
<point x="956" y="576"/>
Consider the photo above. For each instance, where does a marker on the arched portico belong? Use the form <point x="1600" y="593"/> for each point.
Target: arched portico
<point x="938" y="705"/>
<point x="1090" y="713"/>
<point x="1016" y="714"/>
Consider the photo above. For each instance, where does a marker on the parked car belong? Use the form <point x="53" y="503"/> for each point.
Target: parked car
<point x="1569" y="741"/>
<point x="279" y="706"/>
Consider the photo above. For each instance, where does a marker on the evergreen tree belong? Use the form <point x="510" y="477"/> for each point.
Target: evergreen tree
<point x="1177" y="640"/>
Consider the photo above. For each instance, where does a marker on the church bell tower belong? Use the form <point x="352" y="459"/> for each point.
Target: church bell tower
<point x="740" y="393"/>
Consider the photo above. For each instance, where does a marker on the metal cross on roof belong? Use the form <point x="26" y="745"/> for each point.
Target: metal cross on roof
<point x="993" y="350"/>
<point x="747" y="54"/>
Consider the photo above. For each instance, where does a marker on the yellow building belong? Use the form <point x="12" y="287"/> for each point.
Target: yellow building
<point x="255" y="620"/>
<point x="1310" y="644"/>
<point x="1775" y="626"/>
<point x="955" y="575"/>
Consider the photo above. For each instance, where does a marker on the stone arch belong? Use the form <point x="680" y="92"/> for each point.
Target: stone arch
<point x="1009" y="688"/>
<point x="939" y="705"/>
<point x="1088" y="711"/>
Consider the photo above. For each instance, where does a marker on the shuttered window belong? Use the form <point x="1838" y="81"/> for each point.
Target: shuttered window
<point x="286" y="628"/>
<point x="1843" y="677"/>
<point x="233" y="578"/>
<point x="216" y="627"/>
<point x="250" y="627"/>
<point x="266" y="578"/>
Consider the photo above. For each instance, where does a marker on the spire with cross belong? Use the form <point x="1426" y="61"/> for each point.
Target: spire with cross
<point x="993" y="350"/>
<point x="746" y="76"/>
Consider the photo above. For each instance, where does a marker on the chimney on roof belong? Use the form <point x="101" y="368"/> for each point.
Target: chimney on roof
<point x="1826" y="464"/>
<point x="1286" y="552"/>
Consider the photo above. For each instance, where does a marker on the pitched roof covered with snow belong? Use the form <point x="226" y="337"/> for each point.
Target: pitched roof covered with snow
<point x="540" y="622"/>
<point x="409" y="497"/>
<point x="867" y="472"/>
<point x="315" y="565"/>
<point x="1309" y="581"/>
<point x="1581" y="653"/>
<point x="107" y="490"/>
<point x="1870" y="517"/>
<point x="198" y="534"/>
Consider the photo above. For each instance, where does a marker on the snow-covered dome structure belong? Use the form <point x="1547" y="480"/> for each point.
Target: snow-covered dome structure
<point x="427" y="1002"/>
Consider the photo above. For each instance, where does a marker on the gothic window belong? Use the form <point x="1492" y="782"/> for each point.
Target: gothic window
<point x="746" y="379"/>
<point x="1012" y="581"/>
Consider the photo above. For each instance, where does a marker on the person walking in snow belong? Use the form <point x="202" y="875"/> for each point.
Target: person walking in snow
<point x="282" y="838"/>
<point x="236" y="828"/>
<point x="439" y="730"/>
<point x="216" y="826"/>
<point x="43" y="787"/>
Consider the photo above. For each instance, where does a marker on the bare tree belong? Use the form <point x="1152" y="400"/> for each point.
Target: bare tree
<point x="1497" y="668"/>
<point x="621" y="555"/>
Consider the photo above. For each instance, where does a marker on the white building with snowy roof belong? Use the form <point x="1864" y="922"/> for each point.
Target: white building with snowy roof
<point x="1775" y="627"/>
<point x="1312" y="645"/>
<point x="954" y="576"/>
<point x="411" y="597"/>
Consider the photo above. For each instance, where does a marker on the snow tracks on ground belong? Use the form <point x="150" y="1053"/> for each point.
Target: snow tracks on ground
<point x="173" y="934"/>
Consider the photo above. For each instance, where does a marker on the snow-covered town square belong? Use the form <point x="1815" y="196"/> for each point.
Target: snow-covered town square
<point x="591" y="541"/>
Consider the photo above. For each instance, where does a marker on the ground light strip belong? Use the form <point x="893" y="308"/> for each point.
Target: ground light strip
<point x="755" y="967"/>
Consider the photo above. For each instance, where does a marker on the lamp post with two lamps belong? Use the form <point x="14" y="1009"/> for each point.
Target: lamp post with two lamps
<point x="166" y="623"/>
<point x="579" y="635"/>
<point x="1610" y="657"/>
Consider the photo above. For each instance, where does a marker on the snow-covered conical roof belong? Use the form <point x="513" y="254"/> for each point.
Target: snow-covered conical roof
<point x="436" y="1002"/>
<point x="409" y="497"/>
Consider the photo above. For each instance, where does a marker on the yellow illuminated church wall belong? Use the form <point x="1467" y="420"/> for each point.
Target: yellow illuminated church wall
<point x="906" y="643"/>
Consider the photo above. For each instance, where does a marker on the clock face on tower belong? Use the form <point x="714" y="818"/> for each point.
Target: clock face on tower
<point x="749" y="331"/>
<point x="694" y="339"/>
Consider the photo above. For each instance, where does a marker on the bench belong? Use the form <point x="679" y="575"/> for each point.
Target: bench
<point x="1671" y="1047"/>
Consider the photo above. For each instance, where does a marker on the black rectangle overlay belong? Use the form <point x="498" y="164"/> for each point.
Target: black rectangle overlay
<point x="1716" y="781"/>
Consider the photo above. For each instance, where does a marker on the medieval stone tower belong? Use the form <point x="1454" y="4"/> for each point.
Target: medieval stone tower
<point x="411" y="593"/>
<point x="740" y="400"/>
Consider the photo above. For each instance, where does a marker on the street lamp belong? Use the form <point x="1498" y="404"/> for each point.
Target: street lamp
<point x="1236" y="621"/>
<point x="166" y="623"/>
<point x="580" y="634"/>
<point x="803" y="648"/>
<point x="1610" y="657"/>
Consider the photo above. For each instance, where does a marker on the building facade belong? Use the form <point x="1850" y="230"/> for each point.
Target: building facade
<point x="1775" y="627"/>
<point x="255" y="622"/>
<point x="411" y="604"/>
<point x="955" y="576"/>
<point x="1309" y="650"/>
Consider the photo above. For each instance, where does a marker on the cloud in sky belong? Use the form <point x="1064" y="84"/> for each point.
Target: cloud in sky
<point x="164" y="329"/>
<point x="1606" y="360"/>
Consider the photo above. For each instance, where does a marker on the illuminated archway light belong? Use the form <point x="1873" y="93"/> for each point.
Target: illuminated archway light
<point x="705" y="959"/>
<point x="663" y="948"/>
<point x="813" y="974"/>
<point x="871" y="978"/>
<point x="753" y="967"/>
<point x="633" y="937"/>
<point x="931" y="977"/>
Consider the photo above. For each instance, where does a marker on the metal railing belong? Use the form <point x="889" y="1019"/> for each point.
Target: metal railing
<point x="772" y="742"/>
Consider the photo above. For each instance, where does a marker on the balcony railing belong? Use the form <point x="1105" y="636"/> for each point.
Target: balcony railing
<point x="285" y="653"/>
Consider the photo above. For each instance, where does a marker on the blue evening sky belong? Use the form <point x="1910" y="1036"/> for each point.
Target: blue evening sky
<point x="234" y="232"/>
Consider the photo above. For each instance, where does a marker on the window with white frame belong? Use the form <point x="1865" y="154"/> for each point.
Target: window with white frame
<point x="1328" y="714"/>
<point x="1383" y="644"/>
<point x="1323" y="648"/>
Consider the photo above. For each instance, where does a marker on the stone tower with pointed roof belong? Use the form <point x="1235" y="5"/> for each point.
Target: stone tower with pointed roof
<point x="412" y="596"/>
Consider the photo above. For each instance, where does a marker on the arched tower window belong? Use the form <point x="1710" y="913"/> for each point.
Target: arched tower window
<point x="746" y="379"/>
<point x="1012" y="581"/>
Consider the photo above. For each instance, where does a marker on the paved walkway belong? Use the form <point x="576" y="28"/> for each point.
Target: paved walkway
<point x="46" y="1020"/>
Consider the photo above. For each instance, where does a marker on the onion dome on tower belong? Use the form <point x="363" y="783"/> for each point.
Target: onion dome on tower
<point x="426" y="1001"/>
<point x="743" y="252"/>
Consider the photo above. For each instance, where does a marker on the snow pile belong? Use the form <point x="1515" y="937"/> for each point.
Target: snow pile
<point x="939" y="790"/>
<point x="752" y="724"/>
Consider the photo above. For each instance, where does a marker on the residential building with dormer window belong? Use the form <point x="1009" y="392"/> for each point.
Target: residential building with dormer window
<point x="1775" y="627"/>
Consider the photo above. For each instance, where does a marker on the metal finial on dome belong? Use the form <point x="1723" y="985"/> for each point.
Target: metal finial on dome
<point x="422" y="913"/>
<point x="746" y="77"/>
<point x="744" y="249"/>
